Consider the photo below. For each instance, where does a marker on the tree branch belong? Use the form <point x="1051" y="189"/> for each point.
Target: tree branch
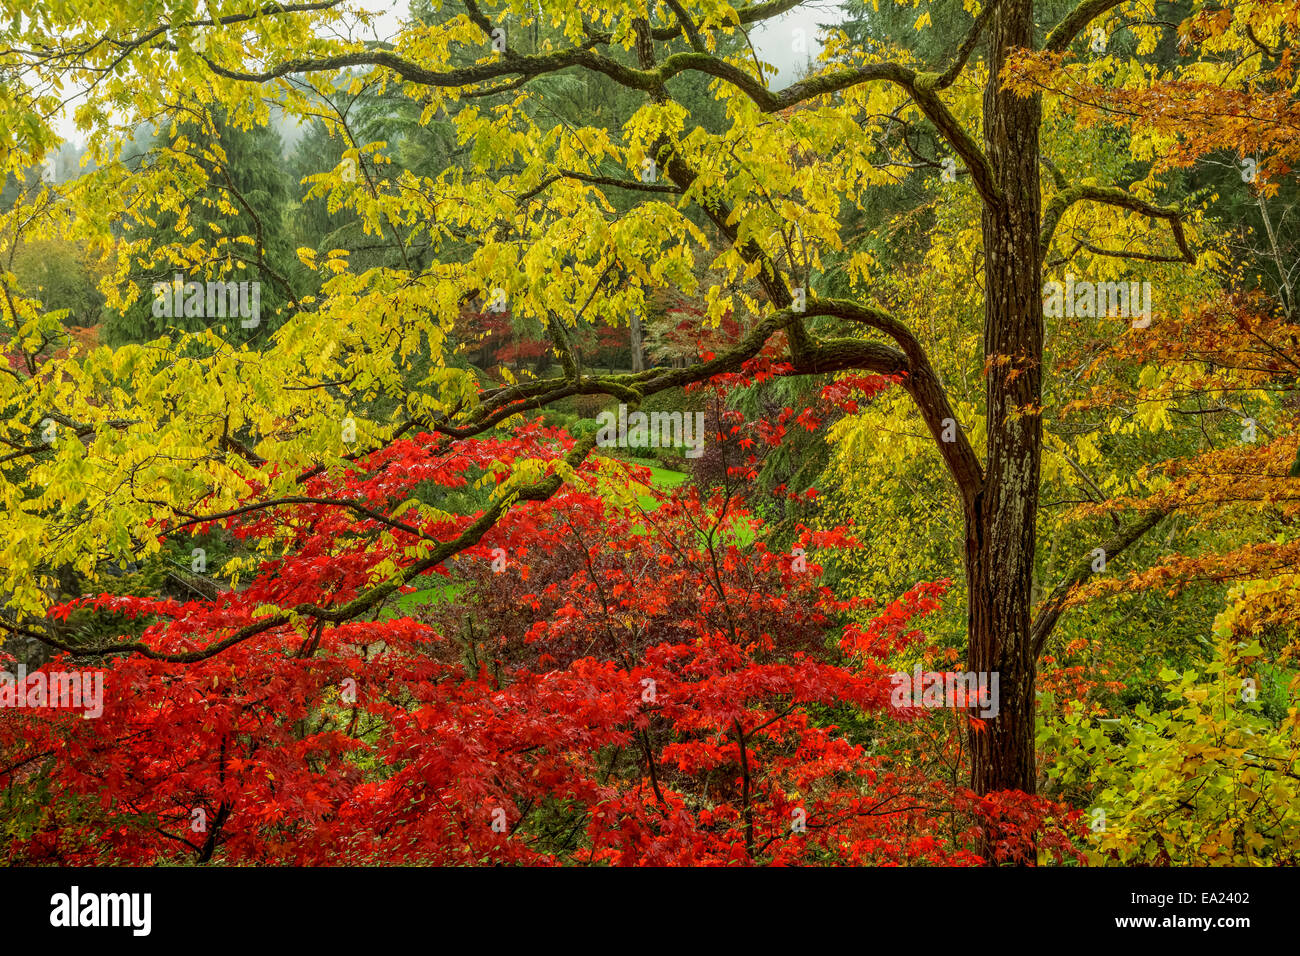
<point x="1075" y="22"/>
<point x="538" y="491"/>
<point x="1111" y="196"/>
<point x="1049" y="612"/>
<point x="922" y="88"/>
<point x="949" y="76"/>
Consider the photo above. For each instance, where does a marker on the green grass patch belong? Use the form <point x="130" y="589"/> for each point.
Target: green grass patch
<point x="665" y="479"/>
<point x="662" y="478"/>
<point x="441" y="594"/>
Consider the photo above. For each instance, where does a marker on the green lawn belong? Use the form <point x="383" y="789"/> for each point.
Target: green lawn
<point x="406" y="603"/>
<point x="662" y="478"/>
<point x="665" y="480"/>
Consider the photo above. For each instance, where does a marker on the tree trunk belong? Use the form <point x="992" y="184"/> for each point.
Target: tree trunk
<point x="1000" y="534"/>
<point x="638" y="351"/>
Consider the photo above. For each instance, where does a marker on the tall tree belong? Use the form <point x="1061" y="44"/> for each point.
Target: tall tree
<point x="237" y="187"/>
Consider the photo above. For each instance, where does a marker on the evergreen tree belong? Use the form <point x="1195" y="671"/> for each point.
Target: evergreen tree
<point x="242" y="188"/>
